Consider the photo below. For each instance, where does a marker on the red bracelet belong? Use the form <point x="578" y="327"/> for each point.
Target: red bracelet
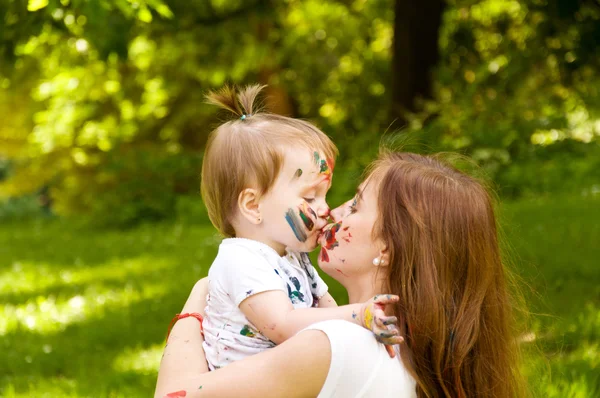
<point x="186" y="315"/>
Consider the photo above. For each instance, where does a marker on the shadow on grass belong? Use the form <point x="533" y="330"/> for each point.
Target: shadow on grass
<point x="142" y="278"/>
<point x="85" y="351"/>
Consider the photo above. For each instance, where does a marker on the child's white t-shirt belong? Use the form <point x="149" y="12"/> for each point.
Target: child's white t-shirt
<point x="242" y="268"/>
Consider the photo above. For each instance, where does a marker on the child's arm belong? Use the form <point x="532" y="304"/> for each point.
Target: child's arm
<point x="273" y="314"/>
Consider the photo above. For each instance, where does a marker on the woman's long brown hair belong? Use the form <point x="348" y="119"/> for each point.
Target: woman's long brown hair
<point x="445" y="264"/>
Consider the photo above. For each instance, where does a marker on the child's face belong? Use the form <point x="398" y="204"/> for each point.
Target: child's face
<point x="295" y="209"/>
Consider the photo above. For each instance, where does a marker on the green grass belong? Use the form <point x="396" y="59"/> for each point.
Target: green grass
<point x="84" y="313"/>
<point x="556" y="250"/>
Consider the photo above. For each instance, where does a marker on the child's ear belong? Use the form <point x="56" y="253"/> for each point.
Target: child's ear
<point x="248" y="206"/>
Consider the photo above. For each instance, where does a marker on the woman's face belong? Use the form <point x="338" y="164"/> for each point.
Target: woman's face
<point x="347" y="245"/>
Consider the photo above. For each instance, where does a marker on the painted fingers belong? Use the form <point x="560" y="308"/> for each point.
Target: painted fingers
<point x="382" y="325"/>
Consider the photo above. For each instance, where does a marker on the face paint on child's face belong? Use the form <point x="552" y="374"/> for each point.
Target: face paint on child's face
<point x="325" y="166"/>
<point x="294" y="210"/>
<point x="295" y="225"/>
<point x="308" y="216"/>
<point x="301" y="221"/>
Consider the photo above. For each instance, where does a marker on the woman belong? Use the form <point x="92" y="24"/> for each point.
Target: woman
<point x="419" y="229"/>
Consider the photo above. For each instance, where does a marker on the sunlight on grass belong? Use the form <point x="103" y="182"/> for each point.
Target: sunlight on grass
<point x="28" y="277"/>
<point x="52" y="314"/>
<point x="144" y="361"/>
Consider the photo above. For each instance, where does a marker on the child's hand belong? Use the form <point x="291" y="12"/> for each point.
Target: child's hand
<point x="373" y="317"/>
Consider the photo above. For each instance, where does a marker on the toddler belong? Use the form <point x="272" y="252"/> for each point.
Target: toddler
<point x="264" y="182"/>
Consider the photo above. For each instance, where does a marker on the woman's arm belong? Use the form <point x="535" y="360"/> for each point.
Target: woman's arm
<point x="183" y="356"/>
<point x="297" y="368"/>
<point x="327" y="301"/>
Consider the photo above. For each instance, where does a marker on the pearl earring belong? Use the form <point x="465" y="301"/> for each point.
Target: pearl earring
<point x="376" y="261"/>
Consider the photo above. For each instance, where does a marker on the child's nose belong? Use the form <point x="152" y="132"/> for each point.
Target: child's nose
<point x="323" y="211"/>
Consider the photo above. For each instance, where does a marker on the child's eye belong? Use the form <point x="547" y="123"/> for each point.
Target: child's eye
<point x="309" y="200"/>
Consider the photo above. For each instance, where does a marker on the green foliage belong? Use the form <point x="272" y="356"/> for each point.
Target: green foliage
<point x="23" y="207"/>
<point x="83" y="313"/>
<point x="85" y="85"/>
<point x="517" y="90"/>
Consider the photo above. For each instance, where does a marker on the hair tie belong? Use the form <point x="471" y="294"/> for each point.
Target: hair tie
<point x="244" y="116"/>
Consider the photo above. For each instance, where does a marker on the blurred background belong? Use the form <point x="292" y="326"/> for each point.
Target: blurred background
<point x="103" y="125"/>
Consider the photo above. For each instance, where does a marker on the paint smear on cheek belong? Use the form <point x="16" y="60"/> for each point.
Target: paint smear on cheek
<point x="325" y="165"/>
<point x="347" y="237"/>
<point x="177" y="394"/>
<point x="330" y="239"/>
<point x="305" y="214"/>
<point x="324" y="255"/>
<point x="340" y="271"/>
<point x="296" y="224"/>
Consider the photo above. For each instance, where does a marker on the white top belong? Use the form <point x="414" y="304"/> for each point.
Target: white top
<point x="360" y="366"/>
<point x="241" y="269"/>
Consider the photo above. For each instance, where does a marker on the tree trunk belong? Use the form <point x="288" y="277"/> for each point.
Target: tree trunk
<point x="277" y="98"/>
<point x="415" y="53"/>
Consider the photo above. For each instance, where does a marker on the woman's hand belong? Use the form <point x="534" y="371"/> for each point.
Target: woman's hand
<point x="373" y="317"/>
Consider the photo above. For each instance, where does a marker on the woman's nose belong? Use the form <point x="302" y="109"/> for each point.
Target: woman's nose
<point x="337" y="213"/>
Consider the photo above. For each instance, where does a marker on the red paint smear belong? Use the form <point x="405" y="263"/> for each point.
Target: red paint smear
<point x="176" y="394"/>
<point x="324" y="255"/>
<point x="345" y="229"/>
<point x="330" y="240"/>
<point x="340" y="271"/>
<point x="330" y="165"/>
<point x="346" y="239"/>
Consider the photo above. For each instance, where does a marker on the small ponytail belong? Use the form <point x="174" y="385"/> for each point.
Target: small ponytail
<point x="241" y="103"/>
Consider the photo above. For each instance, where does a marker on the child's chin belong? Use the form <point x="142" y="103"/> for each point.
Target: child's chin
<point x="308" y="246"/>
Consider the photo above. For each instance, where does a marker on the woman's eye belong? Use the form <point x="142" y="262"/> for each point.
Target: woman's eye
<point x="309" y="200"/>
<point x="353" y="207"/>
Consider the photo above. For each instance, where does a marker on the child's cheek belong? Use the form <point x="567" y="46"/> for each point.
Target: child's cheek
<point x="308" y="216"/>
<point x="301" y="221"/>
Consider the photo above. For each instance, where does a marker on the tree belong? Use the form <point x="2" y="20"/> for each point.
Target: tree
<point x="415" y="53"/>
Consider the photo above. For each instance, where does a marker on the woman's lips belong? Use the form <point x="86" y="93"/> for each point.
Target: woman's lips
<point x="328" y="233"/>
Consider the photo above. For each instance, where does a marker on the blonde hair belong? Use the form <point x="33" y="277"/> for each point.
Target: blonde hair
<point x="249" y="150"/>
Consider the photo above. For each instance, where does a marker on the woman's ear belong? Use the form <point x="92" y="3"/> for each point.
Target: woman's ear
<point x="384" y="256"/>
<point x="248" y="206"/>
